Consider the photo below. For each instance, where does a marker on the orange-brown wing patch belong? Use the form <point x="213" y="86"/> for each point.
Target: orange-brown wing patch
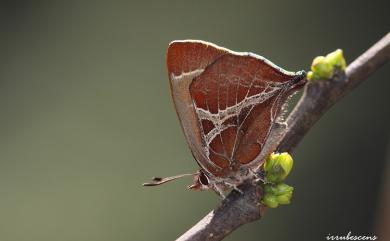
<point x="186" y="56"/>
<point x="237" y="96"/>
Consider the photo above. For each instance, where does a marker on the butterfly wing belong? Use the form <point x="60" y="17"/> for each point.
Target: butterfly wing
<point x="227" y="103"/>
<point x="237" y="100"/>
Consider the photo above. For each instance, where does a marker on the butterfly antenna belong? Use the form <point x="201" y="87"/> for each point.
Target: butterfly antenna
<point x="160" y="180"/>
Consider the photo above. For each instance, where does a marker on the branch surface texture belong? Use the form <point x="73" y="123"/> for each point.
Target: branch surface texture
<point x="318" y="96"/>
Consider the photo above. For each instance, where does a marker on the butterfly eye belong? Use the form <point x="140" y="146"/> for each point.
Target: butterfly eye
<point x="203" y="179"/>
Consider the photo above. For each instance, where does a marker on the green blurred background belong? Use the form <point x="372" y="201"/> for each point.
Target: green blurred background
<point x="86" y="117"/>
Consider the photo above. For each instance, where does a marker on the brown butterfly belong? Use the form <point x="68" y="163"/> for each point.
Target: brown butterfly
<point x="227" y="103"/>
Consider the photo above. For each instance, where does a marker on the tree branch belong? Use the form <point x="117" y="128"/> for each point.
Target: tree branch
<point x="318" y="96"/>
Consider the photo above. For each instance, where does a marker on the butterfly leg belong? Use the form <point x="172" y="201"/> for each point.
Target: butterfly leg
<point x="218" y="191"/>
<point x="258" y="177"/>
<point x="234" y="187"/>
<point x="237" y="189"/>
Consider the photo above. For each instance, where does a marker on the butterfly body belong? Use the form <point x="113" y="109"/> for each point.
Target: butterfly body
<point x="227" y="103"/>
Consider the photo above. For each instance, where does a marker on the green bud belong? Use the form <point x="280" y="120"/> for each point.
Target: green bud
<point x="309" y="75"/>
<point x="324" y="67"/>
<point x="277" y="167"/>
<point x="283" y="193"/>
<point x="312" y="76"/>
<point x="277" y="194"/>
<point x="284" y="199"/>
<point x="336" y="58"/>
<point x="282" y="188"/>
<point x="278" y="189"/>
<point x="270" y="201"/>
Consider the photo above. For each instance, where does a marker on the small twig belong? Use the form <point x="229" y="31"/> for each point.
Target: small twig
<point x="238" y="209"/>
<point x="319" y="96"/>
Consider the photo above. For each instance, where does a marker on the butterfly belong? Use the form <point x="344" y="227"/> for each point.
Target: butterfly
<point x="227" y="103"/>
